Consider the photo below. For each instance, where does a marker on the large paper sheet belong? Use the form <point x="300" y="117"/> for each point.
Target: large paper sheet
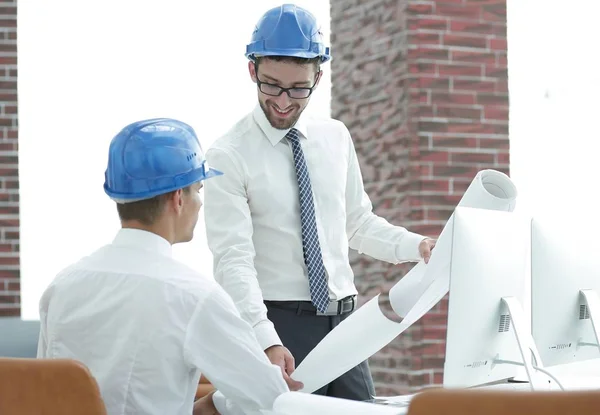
<point x="490" y="190"/>
<point x="368" y="330"/>
<point x="298" y="403"/>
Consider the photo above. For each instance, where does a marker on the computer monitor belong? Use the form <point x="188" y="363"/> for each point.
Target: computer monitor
<point x="487" y="341"/>
<point x="565" y="290"/>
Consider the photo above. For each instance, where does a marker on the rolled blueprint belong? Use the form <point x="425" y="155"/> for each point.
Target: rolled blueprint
<point x="490" y="190"/>
<point x="368" y="330"/>
<point x="298" y="403"/>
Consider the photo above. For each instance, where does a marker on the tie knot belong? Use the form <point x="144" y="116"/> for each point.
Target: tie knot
<point x="292" y="135"/>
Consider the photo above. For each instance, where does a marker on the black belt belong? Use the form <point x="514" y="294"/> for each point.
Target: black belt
<point x="335" y="308"/>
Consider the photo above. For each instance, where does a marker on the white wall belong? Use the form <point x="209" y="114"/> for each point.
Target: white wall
<point x="553" y="58"/>
<point x="86" y="69"/>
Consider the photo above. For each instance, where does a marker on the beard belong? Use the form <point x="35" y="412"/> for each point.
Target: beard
<point x="278" y="122"/>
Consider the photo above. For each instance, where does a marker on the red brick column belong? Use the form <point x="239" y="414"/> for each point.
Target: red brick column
<point x="422" y="86"/>
<point x="9" y="179"/>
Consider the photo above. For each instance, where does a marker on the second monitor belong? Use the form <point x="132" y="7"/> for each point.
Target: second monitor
<point x="565" y="287"/>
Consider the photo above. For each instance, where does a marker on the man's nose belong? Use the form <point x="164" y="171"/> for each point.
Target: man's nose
<point x="283" y="100"/>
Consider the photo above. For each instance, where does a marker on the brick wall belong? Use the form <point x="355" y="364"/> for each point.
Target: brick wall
<point x="9" y="180"/>
<point x="422" y="86"/>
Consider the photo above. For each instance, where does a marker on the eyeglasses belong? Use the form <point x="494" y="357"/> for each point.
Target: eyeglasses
<point x="275" y="90"/>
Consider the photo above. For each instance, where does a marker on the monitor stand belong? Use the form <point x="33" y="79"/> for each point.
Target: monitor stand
<point x="592" y="302"/>
<point x="526" y="345"/>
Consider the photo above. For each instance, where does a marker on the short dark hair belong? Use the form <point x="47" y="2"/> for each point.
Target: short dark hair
<point x="293" y="59"/>
<point x="145" y="211"/>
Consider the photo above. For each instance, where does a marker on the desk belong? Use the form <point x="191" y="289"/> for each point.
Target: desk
<point x="573" y="376"/>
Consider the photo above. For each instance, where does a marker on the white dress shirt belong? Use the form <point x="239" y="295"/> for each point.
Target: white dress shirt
<point x="147" y="326"/>
<point x="253" y="216"/>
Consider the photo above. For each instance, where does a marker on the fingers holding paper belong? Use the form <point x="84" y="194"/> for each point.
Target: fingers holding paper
<point x="205" y="405"/>
<point x="281" y="356"/>
<point x="425" y="248"/>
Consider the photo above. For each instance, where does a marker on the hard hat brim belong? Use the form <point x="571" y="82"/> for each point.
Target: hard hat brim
<point x="287" y="52"/>
<point x="187" y="181"/>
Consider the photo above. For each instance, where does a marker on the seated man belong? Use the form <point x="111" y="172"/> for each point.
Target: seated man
<point x="144" y="324"/>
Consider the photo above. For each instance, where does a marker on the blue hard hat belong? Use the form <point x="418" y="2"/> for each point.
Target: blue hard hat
<point x="153" y="157"/>
<point x="288" y="30"/>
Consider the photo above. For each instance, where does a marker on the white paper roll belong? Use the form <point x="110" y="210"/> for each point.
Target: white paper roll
<point x="298" y="403"/>
<point x="368" y="330"/>
<point x="490" y="189"/>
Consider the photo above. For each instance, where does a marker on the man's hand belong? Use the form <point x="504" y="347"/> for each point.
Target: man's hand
<point x="281" y="356"/>
<point x="425" y="248"/>
<point x="205" y="405"/>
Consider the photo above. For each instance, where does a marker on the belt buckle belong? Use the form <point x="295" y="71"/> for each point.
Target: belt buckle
<point x="353" y="304"/>
<point x="351" y="300"/>
<point x="339" y="307"/>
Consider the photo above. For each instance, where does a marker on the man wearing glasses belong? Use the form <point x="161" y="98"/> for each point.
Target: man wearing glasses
<point x="290" y="204"/>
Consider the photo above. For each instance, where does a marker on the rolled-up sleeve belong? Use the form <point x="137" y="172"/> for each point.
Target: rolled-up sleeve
<point x="371" y="234"/>
<point x="229" y="234"/>
<point x="224" y="348"/>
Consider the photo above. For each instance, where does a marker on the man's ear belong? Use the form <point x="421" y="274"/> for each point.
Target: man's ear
<point x="176" y="200"/>
<point x="252" y="71"/>
<point x="319" y="75"/>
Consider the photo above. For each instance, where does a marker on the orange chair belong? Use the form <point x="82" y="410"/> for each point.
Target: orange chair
<point x="482" y="402"/>
<point x="48" y="387"/>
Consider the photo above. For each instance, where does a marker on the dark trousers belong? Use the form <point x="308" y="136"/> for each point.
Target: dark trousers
<point x="300" y="332"/>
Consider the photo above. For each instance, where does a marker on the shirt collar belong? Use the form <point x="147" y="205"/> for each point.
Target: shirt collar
<point x="137" y="238"/>
<point x="273" y="134"/>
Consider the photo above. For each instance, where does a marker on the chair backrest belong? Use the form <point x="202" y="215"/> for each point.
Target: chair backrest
<point x="482" y="402"/>
<point x="18" y="338"/>
<point x="48" y="387"/>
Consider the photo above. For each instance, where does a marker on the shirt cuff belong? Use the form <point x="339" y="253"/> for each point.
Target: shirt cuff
<point x="225" y="406"/>
<point x="220" y="402"/>
<point x="408" y="248"/>
<point x="266" y="335"/>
